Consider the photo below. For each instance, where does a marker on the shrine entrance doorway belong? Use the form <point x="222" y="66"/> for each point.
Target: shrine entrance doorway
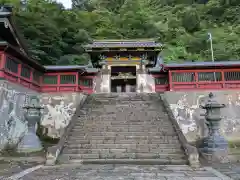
<point x="123" y="79"/>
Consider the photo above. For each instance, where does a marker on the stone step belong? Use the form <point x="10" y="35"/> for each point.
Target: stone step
<point x="121" y="123"/>
<point x="120" y="135"/>
<point x="120" y="146"/>
<point x="86" y="121"/>
<point x="127" y="137"/>
<point x="111" y="142"/>
<point x="125" y="161"/>
<point x="122" y="115"/>
<point x="138" y="150"/>
<point x="75" y="131"/>
<point x="123" y="128"/>
<point x="124" y="155"/>
<point x="119" y="139"/>
<point x="121" y="120"/>
<point x="115" y="123"/>
<point x="95" y="128"/>
<point x="106" y="134"/>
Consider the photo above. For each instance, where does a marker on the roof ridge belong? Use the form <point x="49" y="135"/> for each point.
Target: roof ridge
<point x="125" y="40"/>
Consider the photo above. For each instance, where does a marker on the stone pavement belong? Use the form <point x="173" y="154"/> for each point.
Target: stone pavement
<point x="10" y="167"/>
<point x="231" y="170"/>
<point x="123" y="172"/>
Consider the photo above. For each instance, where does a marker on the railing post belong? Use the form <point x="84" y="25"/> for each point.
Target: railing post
<point x="196" y="79"/>
<point x="76" y="83"/>
<point x="19" y="72"/>
<point x="31" y="77"/>
<point x="41" y="82"/>
<point x="58" y="82"/>
<point x="2" y="65"/>
<point x="170" y="80"/>
<point x="2" y="56"/>
<point x="223" y="79"/>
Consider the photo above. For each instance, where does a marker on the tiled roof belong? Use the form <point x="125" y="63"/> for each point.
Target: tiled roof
<point x="85" y="68"/>
<point x="67" y="67"/>
<point x="123" y="43"/>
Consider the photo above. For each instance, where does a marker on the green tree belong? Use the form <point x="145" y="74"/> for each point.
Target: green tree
<point x="56" y="35"/>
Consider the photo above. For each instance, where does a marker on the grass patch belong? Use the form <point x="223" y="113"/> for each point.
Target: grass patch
<point x="234" y="144"/>
<point x="234" y="147"/>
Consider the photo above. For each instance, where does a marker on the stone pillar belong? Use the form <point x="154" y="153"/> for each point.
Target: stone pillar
<point x="105" y="80"/>
<point x="128" y="88"/>
<point x="145" y="82"/>
<point x="119" y="89"/>
<point x="139" y="81"/>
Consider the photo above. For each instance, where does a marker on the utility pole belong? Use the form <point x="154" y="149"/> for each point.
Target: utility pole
<point x="211" y="46"/>
<point x="23" y="4"/>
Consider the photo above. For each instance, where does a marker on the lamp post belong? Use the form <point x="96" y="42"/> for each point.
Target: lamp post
<point x="211" y="47"/>
<point x="214" y="145"/>
<point x="30" y="141"/>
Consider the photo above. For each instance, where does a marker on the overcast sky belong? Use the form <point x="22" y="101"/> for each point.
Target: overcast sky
<point x="66" y="3"/>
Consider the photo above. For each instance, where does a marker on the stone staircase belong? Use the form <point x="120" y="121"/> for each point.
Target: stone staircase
<point x="123" y="128"/>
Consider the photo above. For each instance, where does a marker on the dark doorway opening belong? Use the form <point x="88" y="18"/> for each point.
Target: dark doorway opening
<point x="123" y="79"/>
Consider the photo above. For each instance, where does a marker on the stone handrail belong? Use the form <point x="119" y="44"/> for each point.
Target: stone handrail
<point x="54" y="151"/>
<point x="191" y="151"/>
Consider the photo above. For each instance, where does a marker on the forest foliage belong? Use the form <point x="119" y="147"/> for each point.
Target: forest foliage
<point x="56" y="35"/>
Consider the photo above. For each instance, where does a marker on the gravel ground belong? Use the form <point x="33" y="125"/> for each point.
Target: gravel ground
<point x="11" y="166"/>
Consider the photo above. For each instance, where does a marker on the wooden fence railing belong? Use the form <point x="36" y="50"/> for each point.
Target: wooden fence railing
<point x="16" y="71"/>
<point x="206" y="79"/>
<point x="67" y="82"/>
<point x="161" y="82"/>
<point x="13" y="70"/>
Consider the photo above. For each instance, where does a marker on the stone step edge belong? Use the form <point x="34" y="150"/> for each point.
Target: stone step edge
<point x="128" y="161"/>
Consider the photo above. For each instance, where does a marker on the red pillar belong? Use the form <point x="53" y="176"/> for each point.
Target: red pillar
<point x="170" y="80"/>
<point x="19" y="72"/>
<point x="58" y="82"/>
<point x="76" y="83"/>
<point x="223" y="79"/>
<point x="2" y="64"/>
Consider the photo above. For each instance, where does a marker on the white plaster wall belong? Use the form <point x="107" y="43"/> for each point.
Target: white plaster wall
<point x="12" y="98"/>
<point x="58" y="111"/>
<point x="185" y="107"/>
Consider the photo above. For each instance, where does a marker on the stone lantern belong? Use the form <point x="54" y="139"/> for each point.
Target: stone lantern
<point x="30" y="141"/>
<point x="214" y="144"/>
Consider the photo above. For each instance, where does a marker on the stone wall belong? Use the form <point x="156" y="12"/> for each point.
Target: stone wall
<point x="56" y="115"/>
<point x="12" y="98"/>
<point x="185" y="107"/>
<point x="58" y="111"/>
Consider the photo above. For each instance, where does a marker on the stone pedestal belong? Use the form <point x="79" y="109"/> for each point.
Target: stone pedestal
<point x="30" y="142"/>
